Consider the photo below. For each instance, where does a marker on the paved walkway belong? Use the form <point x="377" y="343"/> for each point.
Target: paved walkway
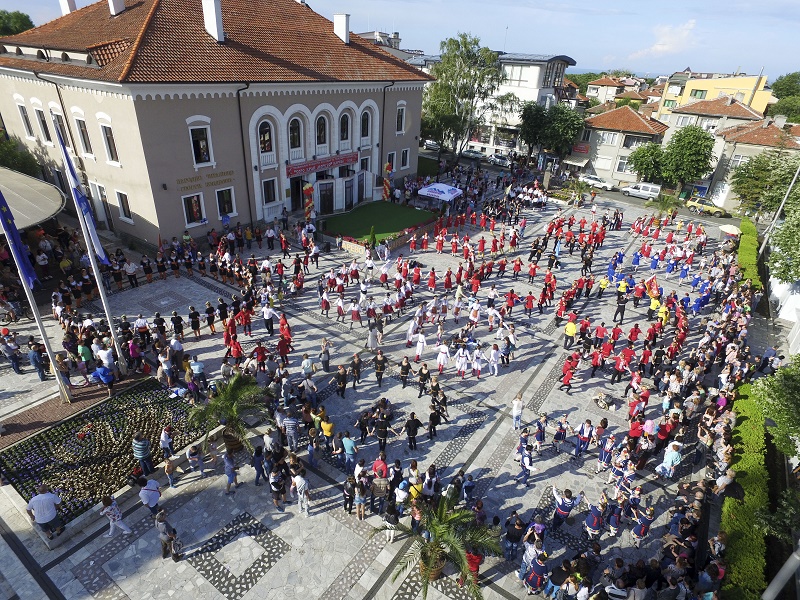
<point x="242" y="547"/>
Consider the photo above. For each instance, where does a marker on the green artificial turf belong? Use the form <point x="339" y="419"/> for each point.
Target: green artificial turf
<point x="387" y="218"/>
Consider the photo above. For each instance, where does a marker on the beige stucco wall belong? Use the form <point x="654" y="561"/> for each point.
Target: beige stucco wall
<point x="100" y="103"/>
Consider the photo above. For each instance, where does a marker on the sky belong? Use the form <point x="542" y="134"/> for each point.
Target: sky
<point x="648" y="38"/>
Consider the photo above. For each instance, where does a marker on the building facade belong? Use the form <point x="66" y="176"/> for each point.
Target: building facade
<point x="608" y="139"/>
<point x="687" y="86"/>
<point x="531" y="78"/>
<point x="184" y="115"/>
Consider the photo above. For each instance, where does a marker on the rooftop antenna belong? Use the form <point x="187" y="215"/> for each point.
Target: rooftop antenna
<point x="504" y="40"/>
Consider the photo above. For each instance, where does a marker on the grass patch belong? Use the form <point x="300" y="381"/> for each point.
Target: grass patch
<point x="388" y="219"/>
<point x="748" y="252"/>
<point x="746" y="551"/>
<point x="427" y="166"/>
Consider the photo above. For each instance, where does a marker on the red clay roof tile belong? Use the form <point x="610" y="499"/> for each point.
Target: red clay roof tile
<point x="626" y="119"/>
<point x="724" y="106"/>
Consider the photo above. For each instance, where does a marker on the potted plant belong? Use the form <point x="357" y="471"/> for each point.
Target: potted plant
<point x="227" y="408"/>
<point x="444" y="535"/>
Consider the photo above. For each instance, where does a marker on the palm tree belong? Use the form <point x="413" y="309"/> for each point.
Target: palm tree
<point x="452" y="531"/>
<point x="664" y="203"/>
<point x="227" y="407"/>
<point x="578" y="189"/>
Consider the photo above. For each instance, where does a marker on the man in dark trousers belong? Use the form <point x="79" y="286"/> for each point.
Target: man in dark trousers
<point x="412" y="427"/>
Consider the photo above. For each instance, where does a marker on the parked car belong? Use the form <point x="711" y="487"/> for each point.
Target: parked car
<point x="431" y="145"/>
<point x="474" y="154"/>
<point x="699" y="205"/>
<point x="500" y="160"/>
<point x="595" y="181"/>
<point x="647" y="191"/>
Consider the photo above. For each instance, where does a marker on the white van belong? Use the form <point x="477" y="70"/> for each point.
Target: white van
<point x="648" y="191"/>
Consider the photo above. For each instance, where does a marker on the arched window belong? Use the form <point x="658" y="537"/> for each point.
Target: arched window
<point x="294" y="134"/>
<point x="322" y="131"/>
<point x="344" y="128"/>
<point x="365" y="124"/>
<point x="265" y="137"/>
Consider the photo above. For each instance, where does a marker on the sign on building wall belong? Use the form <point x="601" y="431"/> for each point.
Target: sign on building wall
<point x="321" y="164"/>
<point x="580" y="148"/>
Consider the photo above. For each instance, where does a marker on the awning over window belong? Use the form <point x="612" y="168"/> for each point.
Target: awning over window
<point x="576" y="161"/>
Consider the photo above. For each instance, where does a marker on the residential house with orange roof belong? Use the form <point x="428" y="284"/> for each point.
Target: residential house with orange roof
<point x="608" y="139"/>
<point x="181" y="114"/>
<point x="739" y="143"/>
<point x="604" y="89"/>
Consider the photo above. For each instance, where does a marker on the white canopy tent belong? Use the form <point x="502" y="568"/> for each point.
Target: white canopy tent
<point x="441" y="191"/>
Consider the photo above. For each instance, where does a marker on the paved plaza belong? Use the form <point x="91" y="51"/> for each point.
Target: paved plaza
<point x="242" y="547"/>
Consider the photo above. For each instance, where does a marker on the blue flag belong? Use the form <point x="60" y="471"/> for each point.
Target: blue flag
<point x="82" y="202"/>
<point x="557" y="249"/>
<point x="20" y="250"/>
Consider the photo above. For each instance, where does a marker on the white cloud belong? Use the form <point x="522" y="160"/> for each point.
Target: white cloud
<point x="669" y="40"/>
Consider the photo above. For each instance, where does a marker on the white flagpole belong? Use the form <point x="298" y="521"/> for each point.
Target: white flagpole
<point x="121" y="363"/>
<point x="63" y="390"/>
<point x="91" y="251"/>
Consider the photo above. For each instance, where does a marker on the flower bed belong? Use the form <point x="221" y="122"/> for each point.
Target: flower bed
<point x="89" y="456"/>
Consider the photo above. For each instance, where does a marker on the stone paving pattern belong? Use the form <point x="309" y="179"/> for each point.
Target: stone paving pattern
<point x="241" y="547"/>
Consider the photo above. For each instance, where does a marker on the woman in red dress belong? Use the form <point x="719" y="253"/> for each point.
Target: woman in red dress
<point x="412" y="244"/>
<point x="454" y="244"/>
<point x="432" y="281"/>
<point x="417" y="276"/>
<point x="439" y="244"/>
<point x="424" y="242"/>
<point x="448" y="280"/>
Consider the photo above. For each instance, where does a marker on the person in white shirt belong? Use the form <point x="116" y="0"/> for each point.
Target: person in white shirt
<point x="43" y="510"/>
<point x="130" y="269"/>
<point x="443" y="358"/>
<point x="150" y="495"/>
<point x="421" y="344"/>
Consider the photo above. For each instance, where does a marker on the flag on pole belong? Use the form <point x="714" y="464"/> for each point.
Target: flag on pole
<point x="82" y="202"/>
<point x="20" y="250"/>
<point x="651" y="285"/>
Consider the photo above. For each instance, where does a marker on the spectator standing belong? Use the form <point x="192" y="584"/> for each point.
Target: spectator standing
<point x="43" y="510"/>
<point x="141" y="452"/>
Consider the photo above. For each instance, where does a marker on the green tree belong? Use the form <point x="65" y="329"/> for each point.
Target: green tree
<point x="785" y="519"/>
<point x="452" y="532"/>
<point x="15" y="22"/>
<point x="464" y="93"/>
<point x="563" y="126"/>
<point x="228" y="407"/>
<point x="582" y="79"/>
<point x="786" y="85"/>
<point x="789" y="106"/>
<point x="533" y="122"/>
<point x="688" y="155"/>
<point x="17" y="157"/>
<point x="761" y="182"/>
<point x="784" y="257"/>
<point x="776" y="396"/>
<point x="648" y="162"/>
<point x="578" y="188"/>
<point x="373" y="241"/>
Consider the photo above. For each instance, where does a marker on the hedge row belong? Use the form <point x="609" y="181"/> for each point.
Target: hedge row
<point x="748" y="252"/>
<point x="746" y="551"/>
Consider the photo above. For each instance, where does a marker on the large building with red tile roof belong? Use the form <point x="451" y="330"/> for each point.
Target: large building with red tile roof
<point x="608" y="139"/>
<point x="179" y="113"/>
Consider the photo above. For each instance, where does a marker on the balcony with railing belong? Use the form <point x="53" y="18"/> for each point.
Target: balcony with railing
<point x="322" y="150"/>
<point x="366" y="142"/>
<point x="296" y="154"/>
<point x="268" y="159"/>
<point x="344" y="145"/>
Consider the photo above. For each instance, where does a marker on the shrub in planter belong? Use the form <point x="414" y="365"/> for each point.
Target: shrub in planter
<point x="228" y="407"/>
<point x="746" y="549"/>
<point x="89" y="456"/>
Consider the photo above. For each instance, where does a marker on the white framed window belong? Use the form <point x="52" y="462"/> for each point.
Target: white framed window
<point x="202" y="152"/>
<point x="669" y="103"/>
<point x="26" y="121"/>
<point x="390" y="158"/>
<point x="344" y="128"/>
<point x="586" y="135"/>
<point x="226" y="202"/>
<point x="365" y="125"/>
<point x="295" y="134"/>
<point x="737" y="160"/>
<point x="194" y="212"/>
<point x="112" y="157"/>
<point x="401" y="119"/>
<point x="58" y="123"/>
<point x="365" y="163"/>
<point x="322" y="131"/>
<point x="608" y="137"/>
<point x="43" y="127"/>
<point x="404" y="158"/>
<point x="602" y="163"/>
<point x="83" y="135"/>
<point x="269" y="190"/>
<point x="699" y="94"/>
<point x="622" y="165"/>
<point x="124" y="207"/>
<point x="265" y="137"/>
<point x="683" y="120"/>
